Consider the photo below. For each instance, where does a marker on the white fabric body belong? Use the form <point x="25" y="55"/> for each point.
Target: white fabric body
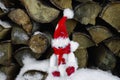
<point x="69" y="58"/>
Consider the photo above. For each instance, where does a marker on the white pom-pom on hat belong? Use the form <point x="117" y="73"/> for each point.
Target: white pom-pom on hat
<point x="68" y="13"/>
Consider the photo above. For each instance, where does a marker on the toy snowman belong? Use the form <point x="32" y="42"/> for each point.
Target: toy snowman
<point x="63" y="61"/>
<point x="62" y="65"/>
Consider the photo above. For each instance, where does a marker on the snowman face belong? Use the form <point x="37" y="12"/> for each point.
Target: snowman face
<point x="60" y="42"/>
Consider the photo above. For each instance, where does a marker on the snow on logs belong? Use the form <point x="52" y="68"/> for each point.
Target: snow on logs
<point x="19" y="36"/>
<point x="4" y="29"/>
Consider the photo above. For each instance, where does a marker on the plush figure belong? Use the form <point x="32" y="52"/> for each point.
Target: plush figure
<point x="62" y="65"/>
<point x="63" y="61"/>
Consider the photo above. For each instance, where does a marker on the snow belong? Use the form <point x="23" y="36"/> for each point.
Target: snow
<point x="87" y="74"/>
<point x="32" y="64"/>
<point x="5" y="24"/>
<point x="93" y="74"/>
<point x="2" y="6"/>
<point x="60" y="42"/>
<point x="80" y="74"/>
<point x="2" y="76"/>
<point x="68" y="13"/>
<point x="1" y="54"/>
<point x="21" y="36"/>
<point x="37" y="32"/>
<point x="36" y="76"/>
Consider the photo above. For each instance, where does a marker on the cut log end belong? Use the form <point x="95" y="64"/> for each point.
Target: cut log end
<point x="99" y="33"/>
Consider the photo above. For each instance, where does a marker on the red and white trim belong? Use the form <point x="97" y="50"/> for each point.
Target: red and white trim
<point x="60" y="42"/>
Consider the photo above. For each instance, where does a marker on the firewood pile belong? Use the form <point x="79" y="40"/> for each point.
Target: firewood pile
<point x="27" y="27"/>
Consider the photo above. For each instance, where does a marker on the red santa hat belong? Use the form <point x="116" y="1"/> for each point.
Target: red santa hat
<point x="61" y="38"/>
<point x="61" y="43"/>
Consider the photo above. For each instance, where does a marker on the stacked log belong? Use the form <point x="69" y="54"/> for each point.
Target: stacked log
<point x="21" y="18"/>
<point x="27" y="27"/>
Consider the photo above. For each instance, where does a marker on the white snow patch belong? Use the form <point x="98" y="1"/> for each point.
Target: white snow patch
<point x="32" y="64"/>
<point x="2" y="6"/>
<point x="87" y="74"/>
<point x="1" y="54"/>
<point x="36" y="76"/>
<point x="80" y="74"/>
<point x="5" y="24"/>
<point x="93" y="74"/>
<point x="22" y="36"/>
<point x="37" y="32"/>
<point x="2" y="76"/>
<point x="60" y="42"/>
<point x="68" y="13"/>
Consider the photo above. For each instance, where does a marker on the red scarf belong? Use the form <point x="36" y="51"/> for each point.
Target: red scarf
<point x="60" y="52"/>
